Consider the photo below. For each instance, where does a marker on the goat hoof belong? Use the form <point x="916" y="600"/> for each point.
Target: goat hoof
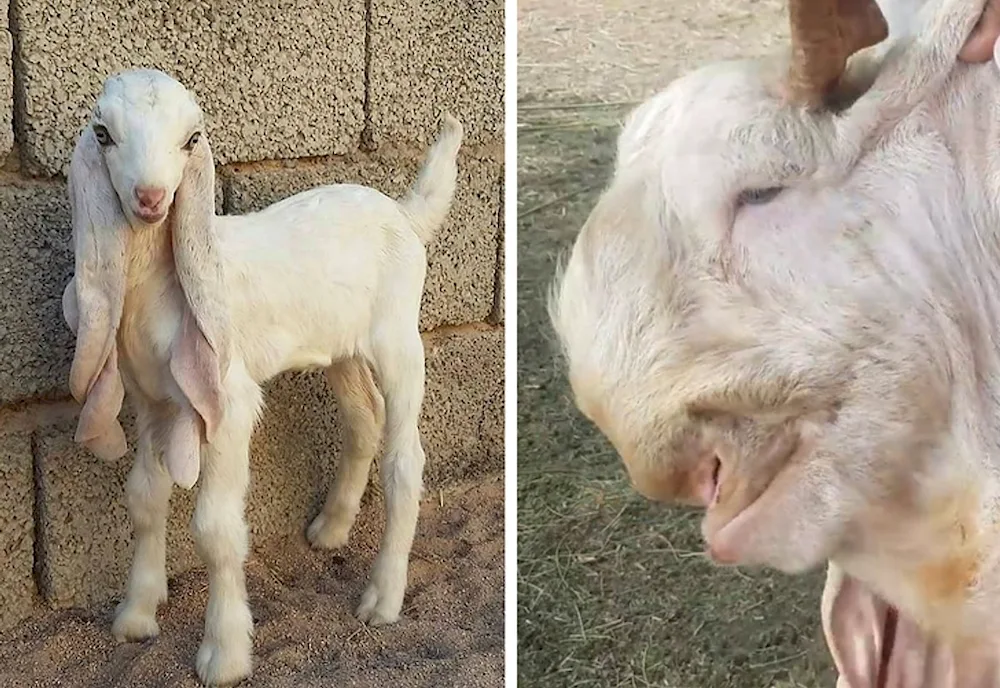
<point x="327" y="533"/>
<point x="132" y="625"/>
<point x="218" y="665"/>
<point x="377" y="608"/>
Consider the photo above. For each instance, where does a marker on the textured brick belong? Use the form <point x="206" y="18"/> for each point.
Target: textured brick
<point x="462" y="259"/>
<point x="36" y="260"/>
<point x="276" y="78"/>
<point x="85" y="534"/>
<point x="17" y="587"/>
<point x="85" y="531"/>
<point x="431" y="56"/>
<point x="463" y="415"/>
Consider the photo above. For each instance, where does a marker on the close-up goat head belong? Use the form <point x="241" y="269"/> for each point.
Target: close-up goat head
<point x="189" y="314"/>
<point x="783" y="309"/>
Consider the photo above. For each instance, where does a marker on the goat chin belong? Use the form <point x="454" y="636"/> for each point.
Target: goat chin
<point x="191" y="313"/>
<point x="810" y="301"/>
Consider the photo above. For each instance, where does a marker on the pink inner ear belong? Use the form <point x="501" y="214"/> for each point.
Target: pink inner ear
<point x="99" y="429"/>
<point x="854" y="623"/>
<point x="183" y="452"/>
<point x="876" y="646"/>
<point x="195" y="367"/>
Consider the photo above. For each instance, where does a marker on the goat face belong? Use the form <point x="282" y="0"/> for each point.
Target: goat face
<point x="147" y="124"/>
<point x="754" y="331"/>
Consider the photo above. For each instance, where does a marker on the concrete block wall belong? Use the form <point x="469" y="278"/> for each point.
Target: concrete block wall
<point x="296" y="93"/>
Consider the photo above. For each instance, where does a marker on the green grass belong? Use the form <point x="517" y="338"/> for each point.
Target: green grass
<point x="614" y="590"/>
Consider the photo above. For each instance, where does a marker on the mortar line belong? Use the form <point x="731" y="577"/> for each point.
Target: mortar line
<point x="367" y="135"/>
<point x="19" y="95"/>
<point x="37" y="514"/>
<point x="496" y="316"/>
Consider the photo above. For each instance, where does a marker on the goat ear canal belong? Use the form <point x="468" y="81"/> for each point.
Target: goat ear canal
<point x="94" y="298"/>
<point x="201" y="353"/>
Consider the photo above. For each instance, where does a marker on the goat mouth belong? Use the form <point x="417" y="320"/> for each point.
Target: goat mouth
<point x="722" y="519"/>
<point x="150" y="216"/>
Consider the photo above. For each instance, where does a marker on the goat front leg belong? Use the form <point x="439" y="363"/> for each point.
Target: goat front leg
<point x="147" y="495"/>
<point x="221" y="539"/>
<point x="400" y="367"/>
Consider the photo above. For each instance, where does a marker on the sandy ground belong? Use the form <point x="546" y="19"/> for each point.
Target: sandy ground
<point x="614" y="590"/>
<point x="451" y="633"/>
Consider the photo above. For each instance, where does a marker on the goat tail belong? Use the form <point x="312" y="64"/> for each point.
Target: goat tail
<point x="429" y="199"/>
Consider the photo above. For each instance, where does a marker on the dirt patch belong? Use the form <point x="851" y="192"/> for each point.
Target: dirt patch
<point x="614" y="590"/>
<point x="451" y="633"/>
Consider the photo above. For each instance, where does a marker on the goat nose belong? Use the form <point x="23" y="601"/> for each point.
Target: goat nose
<point x="149" y="196"/>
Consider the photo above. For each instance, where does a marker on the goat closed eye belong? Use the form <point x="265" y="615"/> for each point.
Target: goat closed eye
<point x="192" y="141"/>
<point x="758" y="196"/>
<point x="102" y="135"/>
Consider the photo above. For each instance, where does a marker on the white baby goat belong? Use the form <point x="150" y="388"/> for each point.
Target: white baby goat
<point x="786" y="309"/>
<point x="191" y="313"/>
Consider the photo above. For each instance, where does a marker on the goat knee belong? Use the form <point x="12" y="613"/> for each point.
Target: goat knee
<point x="220" y="534"/>
<point x="146" y="497"/>
<point x="402" y="473"/>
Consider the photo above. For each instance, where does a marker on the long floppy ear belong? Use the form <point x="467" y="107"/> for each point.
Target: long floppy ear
<point x="875" y="647"/>
<point x="100" y="239"/>
<point x="854" y="625"/>
<point x="200" y="354"/>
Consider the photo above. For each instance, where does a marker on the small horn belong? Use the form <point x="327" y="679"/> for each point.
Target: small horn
<point x="825" y="33"/>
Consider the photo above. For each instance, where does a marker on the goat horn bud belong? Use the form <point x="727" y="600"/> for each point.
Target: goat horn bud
<point x="825" y="33"/>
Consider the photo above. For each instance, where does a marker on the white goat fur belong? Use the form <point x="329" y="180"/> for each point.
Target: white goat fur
<point x="197" y="311"/>
<point x="836" y="347"/>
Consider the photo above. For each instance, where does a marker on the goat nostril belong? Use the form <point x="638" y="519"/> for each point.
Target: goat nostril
<point x="715" y="481"/>
<point x="149" y="196"/>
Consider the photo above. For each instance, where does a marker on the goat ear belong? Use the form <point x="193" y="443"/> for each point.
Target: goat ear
<point x="854" y="622"/>
<point x="99" y="429"/>
<point x="980" y="45"/>
<point x="873" y="646"/>
<point x="200" y="355"/>
<point x="94" y="309"/>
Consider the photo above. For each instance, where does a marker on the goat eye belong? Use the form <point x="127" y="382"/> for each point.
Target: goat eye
<point x="759" y="196"/>
<point x="193" y="141"/>
<point x="102" y="135"/>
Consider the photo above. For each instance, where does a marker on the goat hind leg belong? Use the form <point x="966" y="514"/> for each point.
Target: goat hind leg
<point x="401" y="373"/>
<point x="147" y="495"/>
<point x="362" y="414"/>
